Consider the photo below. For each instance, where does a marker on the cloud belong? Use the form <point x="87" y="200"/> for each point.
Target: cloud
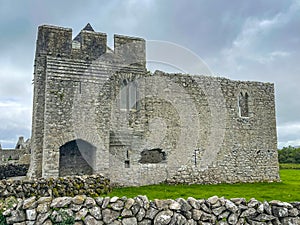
<point x="243" y="40"/>
<point x="15" y="82"/>
<point x="15" y="102"/>
<point x="289" y="134"/>
<point x="273" y="56"/>
<point x="258" y="38"/>
<point x="15" y="120"/>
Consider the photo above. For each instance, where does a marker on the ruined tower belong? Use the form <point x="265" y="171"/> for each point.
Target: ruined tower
<point x="98" y="110"/>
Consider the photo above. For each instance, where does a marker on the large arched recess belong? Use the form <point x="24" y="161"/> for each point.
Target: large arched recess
<point x="76" y="158"/>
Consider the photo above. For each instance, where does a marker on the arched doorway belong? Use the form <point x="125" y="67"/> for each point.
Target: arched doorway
<point x="76" y="158"/>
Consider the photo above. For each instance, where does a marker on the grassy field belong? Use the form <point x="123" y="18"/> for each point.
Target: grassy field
<point x="288" y="190"/>
<point x="290" y="166"/>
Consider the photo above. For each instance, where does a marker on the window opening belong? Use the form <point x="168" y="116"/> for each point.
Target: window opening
<point x="123" y="92"/>
<point x="127" y="164"/>
<point x="128" y="95"/>
<point x="155" y="155"/>
<point x="243" y="104"/>
<point x="127" y="161"/>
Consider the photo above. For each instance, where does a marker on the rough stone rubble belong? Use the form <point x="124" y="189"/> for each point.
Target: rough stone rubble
<point x="139" y="210"/>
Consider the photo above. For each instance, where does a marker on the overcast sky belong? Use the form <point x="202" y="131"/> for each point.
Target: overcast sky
<point x="238" y="39"/>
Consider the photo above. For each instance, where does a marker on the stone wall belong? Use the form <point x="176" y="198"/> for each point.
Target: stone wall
<point x="13" y="170"/>
<point x="8" y="155"/>
<point x="94" y="185"/>
<point x="81" y="210"/>
<point x="209" y="129"/>
<point x="186" y="115"/>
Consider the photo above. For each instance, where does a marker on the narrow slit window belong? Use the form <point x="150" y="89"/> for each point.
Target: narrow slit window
<point x="243" y="104"/>
<point x="127" y="164"/>
<point x="127" y="161"/>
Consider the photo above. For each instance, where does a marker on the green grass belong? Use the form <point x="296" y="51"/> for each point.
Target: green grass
<point x="288" y="190"/>
<point x="289" y="166"/>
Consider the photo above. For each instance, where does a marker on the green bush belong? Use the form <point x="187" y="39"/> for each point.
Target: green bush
<point x="2" y="219"/>
<point x="289" y="155"/>
<point x="6" y="204"/>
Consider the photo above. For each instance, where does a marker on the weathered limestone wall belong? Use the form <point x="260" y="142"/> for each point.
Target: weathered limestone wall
<point x="179" y="114"/>
<point x="207" y="129"/>
<point x="240" y="149"/>
<point x="72" y="95"/>
<point x="139" y="210"/>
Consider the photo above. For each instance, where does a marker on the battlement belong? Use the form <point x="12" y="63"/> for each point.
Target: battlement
<point x="88" y="45"/>
<point x="130" y="49"/>
<point x="54" y="41"/>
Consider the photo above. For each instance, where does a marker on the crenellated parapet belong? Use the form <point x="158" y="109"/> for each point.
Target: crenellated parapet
<point x="54" y="41"/>
<point x="88" y="45"/>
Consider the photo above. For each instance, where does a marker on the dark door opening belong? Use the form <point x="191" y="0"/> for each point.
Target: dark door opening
<point x="76" y="158"/>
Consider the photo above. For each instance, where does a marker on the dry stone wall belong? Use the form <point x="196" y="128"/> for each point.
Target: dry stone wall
<point x="13" y="170"/>
<point x="93" y="185"/>
<point x="81" y="210"/>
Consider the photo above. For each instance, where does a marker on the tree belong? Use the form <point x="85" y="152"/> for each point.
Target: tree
<point x="289" y="155"/>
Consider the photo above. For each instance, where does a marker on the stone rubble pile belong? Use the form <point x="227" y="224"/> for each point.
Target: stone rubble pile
<point x="90" y="185"/>
<point x="139" y="210"/>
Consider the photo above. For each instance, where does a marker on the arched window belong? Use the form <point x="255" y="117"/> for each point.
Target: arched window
<point x="243" y="104"/>
<point x="132" y="92"/>
<point x="128" y="95"/>
<point x="123" y="94"/>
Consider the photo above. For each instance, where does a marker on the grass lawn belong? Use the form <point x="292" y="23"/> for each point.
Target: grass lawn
<point x="289" y="166"/>
<point x="288" y="190"/>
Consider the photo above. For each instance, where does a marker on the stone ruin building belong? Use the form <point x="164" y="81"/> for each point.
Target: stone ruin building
<point x="21" y="149"/>
<point x="14" y="162"/>
<point x="98" y="110"/>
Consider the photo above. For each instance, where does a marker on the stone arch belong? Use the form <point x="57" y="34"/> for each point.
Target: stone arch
<point x="76" y="157"/>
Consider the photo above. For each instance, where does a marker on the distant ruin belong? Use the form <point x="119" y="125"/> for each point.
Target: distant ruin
<point x="14" y="162"/>
<point x="98" y="110"/>
<point x="9" y="155"/>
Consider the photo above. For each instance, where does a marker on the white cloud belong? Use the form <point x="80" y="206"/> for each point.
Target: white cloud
<point x="288" y="128"/>
<point x="289" y="134"/>
<point x="273" y="56"/>
<point x="15" y="81"/>
<point x="252" y="31"/>
<point x="15" y="115"/>
<point x="130" y="15"/>
<point x="254" y="41"/>
<point x="15" y="120"/>
<point x="293" y="143"/>
<point x="15" y="102"/>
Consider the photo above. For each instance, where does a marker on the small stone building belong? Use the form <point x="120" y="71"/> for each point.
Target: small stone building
<point x="98" y="110"/>
<point x="13" y="155"/>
